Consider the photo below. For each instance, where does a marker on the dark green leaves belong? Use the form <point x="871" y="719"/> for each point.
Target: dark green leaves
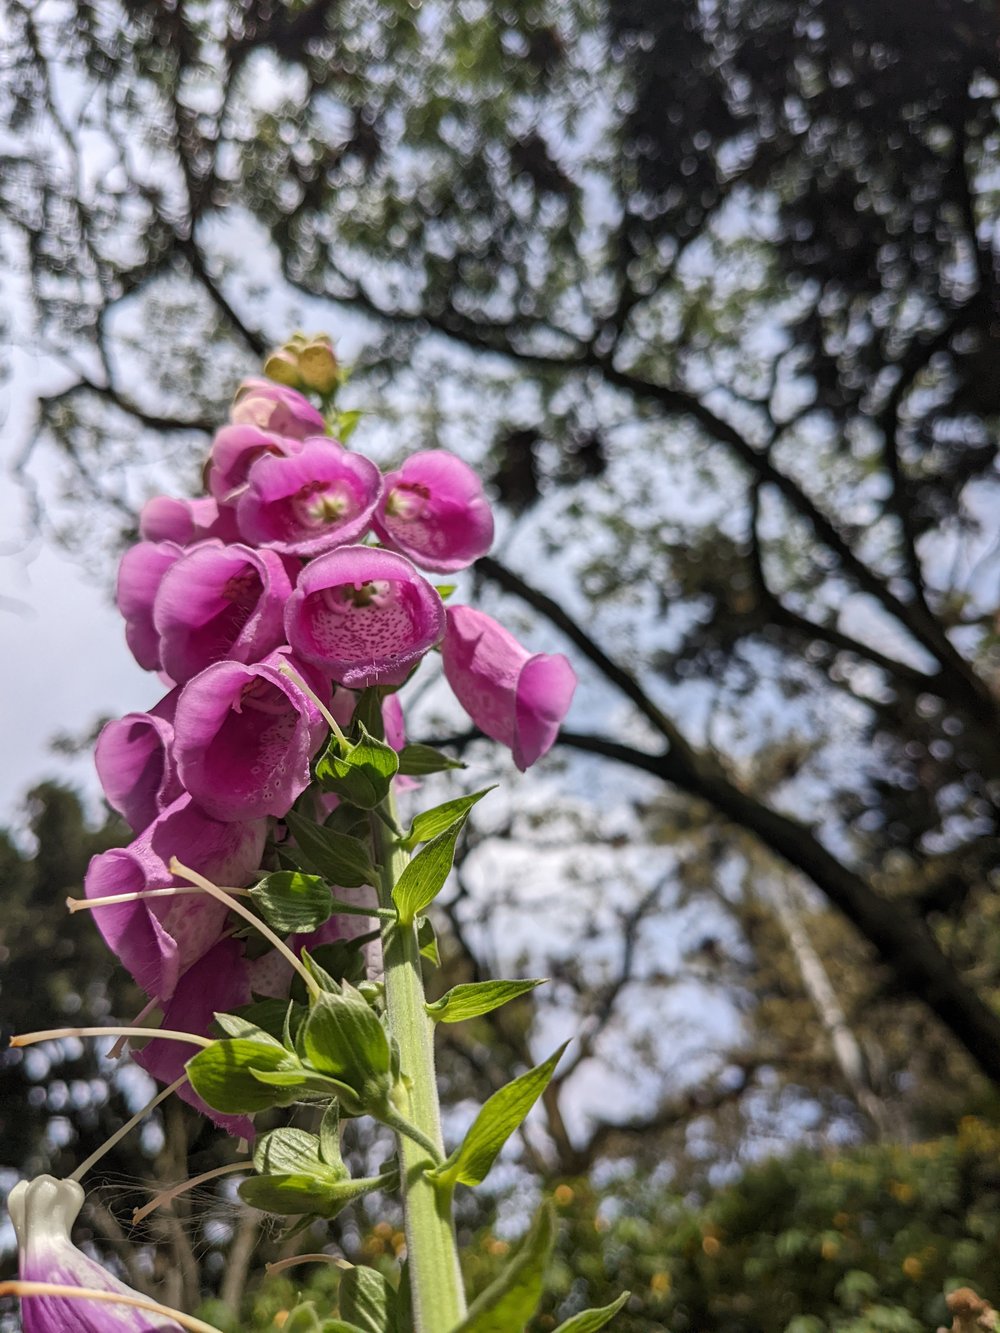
<point x="358" y="772"/>
<point x="429" y="823"/>
<point x="291" y="902"/>
<point x="222" y="1074"/>
<point x="470" y="1163"/>
<point x="419" y="760"/>
<point x="468" y="1001"/>
<point x="338" y="857"/>
<point x="424" y="877"/>
<point x="589" y="1321"/>
<point x="510" y="1300"/>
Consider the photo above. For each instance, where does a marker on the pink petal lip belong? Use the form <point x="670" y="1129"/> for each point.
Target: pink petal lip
<point x="319" y="498"/>
<point x="364" y="615"/>
<point x="434" y="511"/>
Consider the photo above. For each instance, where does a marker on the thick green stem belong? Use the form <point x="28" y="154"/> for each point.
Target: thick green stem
<point x="435" y="1279"/>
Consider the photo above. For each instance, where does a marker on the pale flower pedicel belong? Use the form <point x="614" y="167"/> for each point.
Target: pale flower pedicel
<point x="283" y="611"/>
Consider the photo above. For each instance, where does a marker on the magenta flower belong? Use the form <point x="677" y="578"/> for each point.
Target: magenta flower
<point x="306" y="504"/>
<point x="164" y="519"/>
<point x="43" y="1211"/>
<point x="134" y="759"/>
<point x="139" y="577"/>
<point x="234" y="451"/>
<point x="244" y="736"/>
<point x="515" y="697"/>
<point x="157" y="939"/>
<point x="218" y="982"/>
<point x="434" y="511"/>
<point x="219" y="602"/>
<point x="274" y="407"/>
<point x="364" y="615"/>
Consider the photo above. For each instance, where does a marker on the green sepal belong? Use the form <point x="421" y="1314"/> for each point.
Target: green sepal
<point x="295" y="1193"/>
<point x="424" y="876"/>
<point x="344" y="1039"/>
<point x="366" y="1299"/>
<point x="429" y="823"/>
<point x="471" y="999"/>
<point x="338" y="857"/>
<point x="303" y="1319"/>
<point x="346" y="423"/>
<point x="589" y="1321"/>
<point x="237" y="1025"/>
<point x="445" y="590"/>
<point x="329" y="1137"/>
<point x="427" y="940"/>
<point x="498" y="1117"/>
<point x="368" y="714"/>
<point x="361" y="772"/>
<point x="510" y="1300"/>
<point x="291" y="1151"/>
<point x="274" y="1017"/>
<point x="307" y="1085"/>
<point x="293" y="903"/>
<point x="330" y="965"/>
<point x="416" y="761"/>
<point x="222" y="1074"/>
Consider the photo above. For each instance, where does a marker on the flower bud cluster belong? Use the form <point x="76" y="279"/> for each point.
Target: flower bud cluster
<point x="302" y="566"/>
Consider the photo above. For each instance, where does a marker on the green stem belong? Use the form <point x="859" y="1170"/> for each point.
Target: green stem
<point x="436" y="1288"/>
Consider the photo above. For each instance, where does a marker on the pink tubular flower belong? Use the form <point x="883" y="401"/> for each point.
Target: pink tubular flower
<point x="134" y="760"/>
<point x="217" y="983"/>
<point x="234" y="451"/>
<point x="244" y="736"/>
<point x="364" y="615"/>
<point x="306" y="504"/>
<point x="274" y="407"/>
<point x="164" y="519"/>
<point x="219" y="602"/>
<point x="139" y="577"/>
<point x="515" y="697"/>
<point x="43" y="1211"/>
<point x="157" y="939"/>
<point x="434" y="511"/>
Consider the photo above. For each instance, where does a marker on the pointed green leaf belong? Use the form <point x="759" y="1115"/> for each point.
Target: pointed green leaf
<point x="368" y="714"/>
<point x="221" y="1074"/>
<point x="510" y="1300"/>
<point x="346" y="423"/>
<point x="290" y="1194"/>
<point x="236" y="1025"/>
<point x="470" y="1163"/>
<point x="360" y="772"/>
<point x="417" y="761"/>
<point x="293" y="903"/>
<point x="429" y="823"/>
<point x="427" y="940"/>
<point x="329" y="1137"/>
<point x="424" y="877"/>
<point x="345" y="1039"/>
<point x="338" y="857"/>
<point x="366" y="1299"/>
<point x="589" y="1321"/>
<point x="477" y="997"/>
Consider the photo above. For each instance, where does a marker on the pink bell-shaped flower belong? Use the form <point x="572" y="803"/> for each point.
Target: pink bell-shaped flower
<point x="165" y="519"/>
<point x="515" y="697"/>
<point x="235" y="449"/>
<point x="157" y="939"/>
<point x="139" y="577"/>
<point x="43" y="1211"/>
<point x="433" y="510"/>
<point x="135" y="763"/>
<point x="244" y="736"/>
<point x="363" y="615"/>
<point x="219" y="602"/>
<point x="275" y="407"/>
<point x="322" y="497"/>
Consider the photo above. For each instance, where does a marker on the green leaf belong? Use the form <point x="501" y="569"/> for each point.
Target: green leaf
<point x="511" y="1299"/>
<point x="341" y="859"/>
<point x="470" y="1163"/>
<point x="368" y="714"/>
<point x="293" y="1193"/>
<point x="222" y="1076"/>
<point x="303" y="1319"/>
<point x="345" y="1039"/>
<point x="346" y="423"/>
<point x="445" y="590"/>
<point x="429" y="823"/>
<point x="427" y="940"/>
<point x="329" y="1137"/>
<point x="416" y="761"/>
<point x="477" y="997"/>
<point x="362" y="772"/>
<point x="424" y="877"/>
<point x="366" y="1299"/>
<point x="292" y="903"/>
<point x="291" y="1151"/>
<point x="589" y="1321"/>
